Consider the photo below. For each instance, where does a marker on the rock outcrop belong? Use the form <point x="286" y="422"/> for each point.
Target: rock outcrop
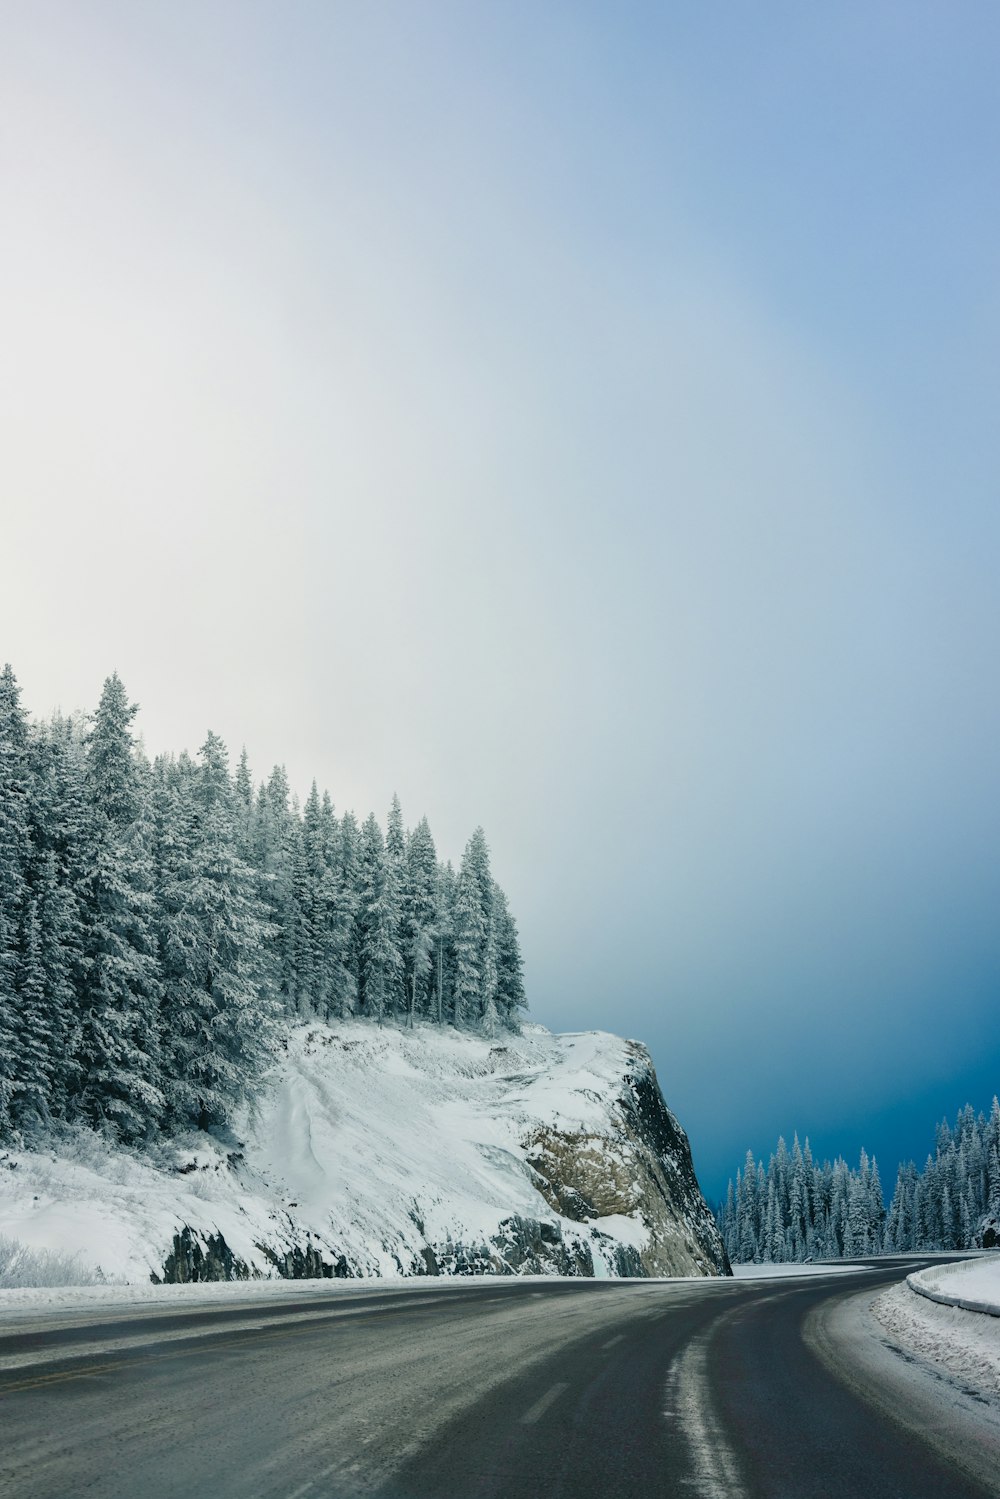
<point x="642" y="1168"/>
<point x="389" y="1153"/>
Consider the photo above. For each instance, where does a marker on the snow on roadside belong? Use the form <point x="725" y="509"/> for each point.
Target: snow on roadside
<point x="200" y="1293"/>
<point x="783" y="1272"/>
<point x="69" y="1300"/>
<point x="963" y="1345"/>
<point x="975" y="1280"/>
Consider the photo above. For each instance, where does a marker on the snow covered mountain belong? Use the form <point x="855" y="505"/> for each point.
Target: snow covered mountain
<point x="378" y="1152"/>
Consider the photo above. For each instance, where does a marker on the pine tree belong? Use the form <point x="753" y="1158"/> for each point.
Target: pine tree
<point x="349" y="880"/>
<point x="34" y="1046"/>
<point x="418" y="909"/>
<point x="313" y="898"/>
<point x="809" y="1174"/>
<point x="444" y="950"/>
<point x="60" y="955"/>
<point x="470" y="943"/>
<point x="728" y="1222"/>
<point x="747" y="1208"/>
<point x="177" y="926"/>
<point x="338" y="988"/>
<point x="14" y="852"/>
<point x="243" y="808"/>
<point x="489" y="1014"/>
<point x="899" y="1224"/>
<point x="782" y="1170"/>
<point x="797" y="1207"/>
<point x="276" y="835"/>
<point x="476" y="975"/>
<point x="774" y="1238"/>
<point x="112" y="777"/>
<point x="392" y="896"/>
<point x="992" y="1152"/>
<point x="376" y="955"/>
<point x="418" y="916"/>
<point x="876" y="1209"/>
<point x="511" y="998"/>
<point x="58" y="823"/>
<point x="120" y="1041"/>
<point x="839" y="1201"/>
<point x="222" y="1008"/>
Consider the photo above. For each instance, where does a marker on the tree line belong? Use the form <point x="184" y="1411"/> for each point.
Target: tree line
<point x="162" y="924"/>
<point x="796" y="1209"/>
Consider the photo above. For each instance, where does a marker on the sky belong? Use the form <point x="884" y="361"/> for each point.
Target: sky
<point x="580" y="420"/>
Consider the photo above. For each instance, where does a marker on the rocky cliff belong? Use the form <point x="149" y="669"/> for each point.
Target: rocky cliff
<point x="387" y="1153"/>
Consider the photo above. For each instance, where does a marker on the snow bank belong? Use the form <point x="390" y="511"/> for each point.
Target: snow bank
<point x="791" y="1269"/>
<point x="931" y="1318"/>
<point x="385" y="1153"/>
<point x="952" y="1343"/>
<point x="26" y="1303"/>
<point x="972" y="1285"/>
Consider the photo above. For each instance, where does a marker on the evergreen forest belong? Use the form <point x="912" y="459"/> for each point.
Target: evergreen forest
<point x="795" y="1209"/>
<point x="163" y="923"/>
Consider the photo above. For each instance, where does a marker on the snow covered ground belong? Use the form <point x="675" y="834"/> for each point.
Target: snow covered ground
<point x="973" y="1285"/>
<point x="784" y="1272"/>
<point x="958" y="1342"/>
<point x="959" y="1345"/>
<point x="953" y="1343"/>
<point x="119" y="1297"/>
<point x="379" y="1153"/>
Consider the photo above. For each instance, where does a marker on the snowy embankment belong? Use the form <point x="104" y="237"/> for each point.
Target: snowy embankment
<point x="937" y="1317"/>
<point x="973" y="1285"/>
<point x="379" y="1153"/>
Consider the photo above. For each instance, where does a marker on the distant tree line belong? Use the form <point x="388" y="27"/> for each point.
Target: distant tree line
<point x="161" y="924"/>
<point x="794" y="1209"/>
<point x="944" y="1206"/>
<point x="797" y="1209"/>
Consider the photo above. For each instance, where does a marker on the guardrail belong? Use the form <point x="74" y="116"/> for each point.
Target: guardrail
<point x="946" y="1298"/>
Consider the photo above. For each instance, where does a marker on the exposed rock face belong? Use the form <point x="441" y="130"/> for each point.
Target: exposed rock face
<point x="192" y="1260"/>
<point x="643" y="1168"/>
<point x="536" y="1154"/>
<point x="298" y="1263"/>
<point x="520" y="1246"/>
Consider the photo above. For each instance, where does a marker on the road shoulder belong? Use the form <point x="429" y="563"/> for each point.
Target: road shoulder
<point x="864" y="1341"/>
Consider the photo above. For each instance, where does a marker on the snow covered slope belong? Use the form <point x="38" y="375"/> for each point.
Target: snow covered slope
<point x="384" y="1153"/>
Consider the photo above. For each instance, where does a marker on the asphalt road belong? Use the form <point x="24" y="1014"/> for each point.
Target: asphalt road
<point x="568" y="1390"/>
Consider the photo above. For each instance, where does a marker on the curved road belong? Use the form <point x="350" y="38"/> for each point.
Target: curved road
<point x="449" y="1391"/>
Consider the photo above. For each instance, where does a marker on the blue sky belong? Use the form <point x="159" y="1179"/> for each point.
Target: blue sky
<point x="580" y="420"/>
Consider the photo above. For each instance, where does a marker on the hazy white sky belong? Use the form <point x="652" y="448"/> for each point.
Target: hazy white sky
<point x="582" y="422"/>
